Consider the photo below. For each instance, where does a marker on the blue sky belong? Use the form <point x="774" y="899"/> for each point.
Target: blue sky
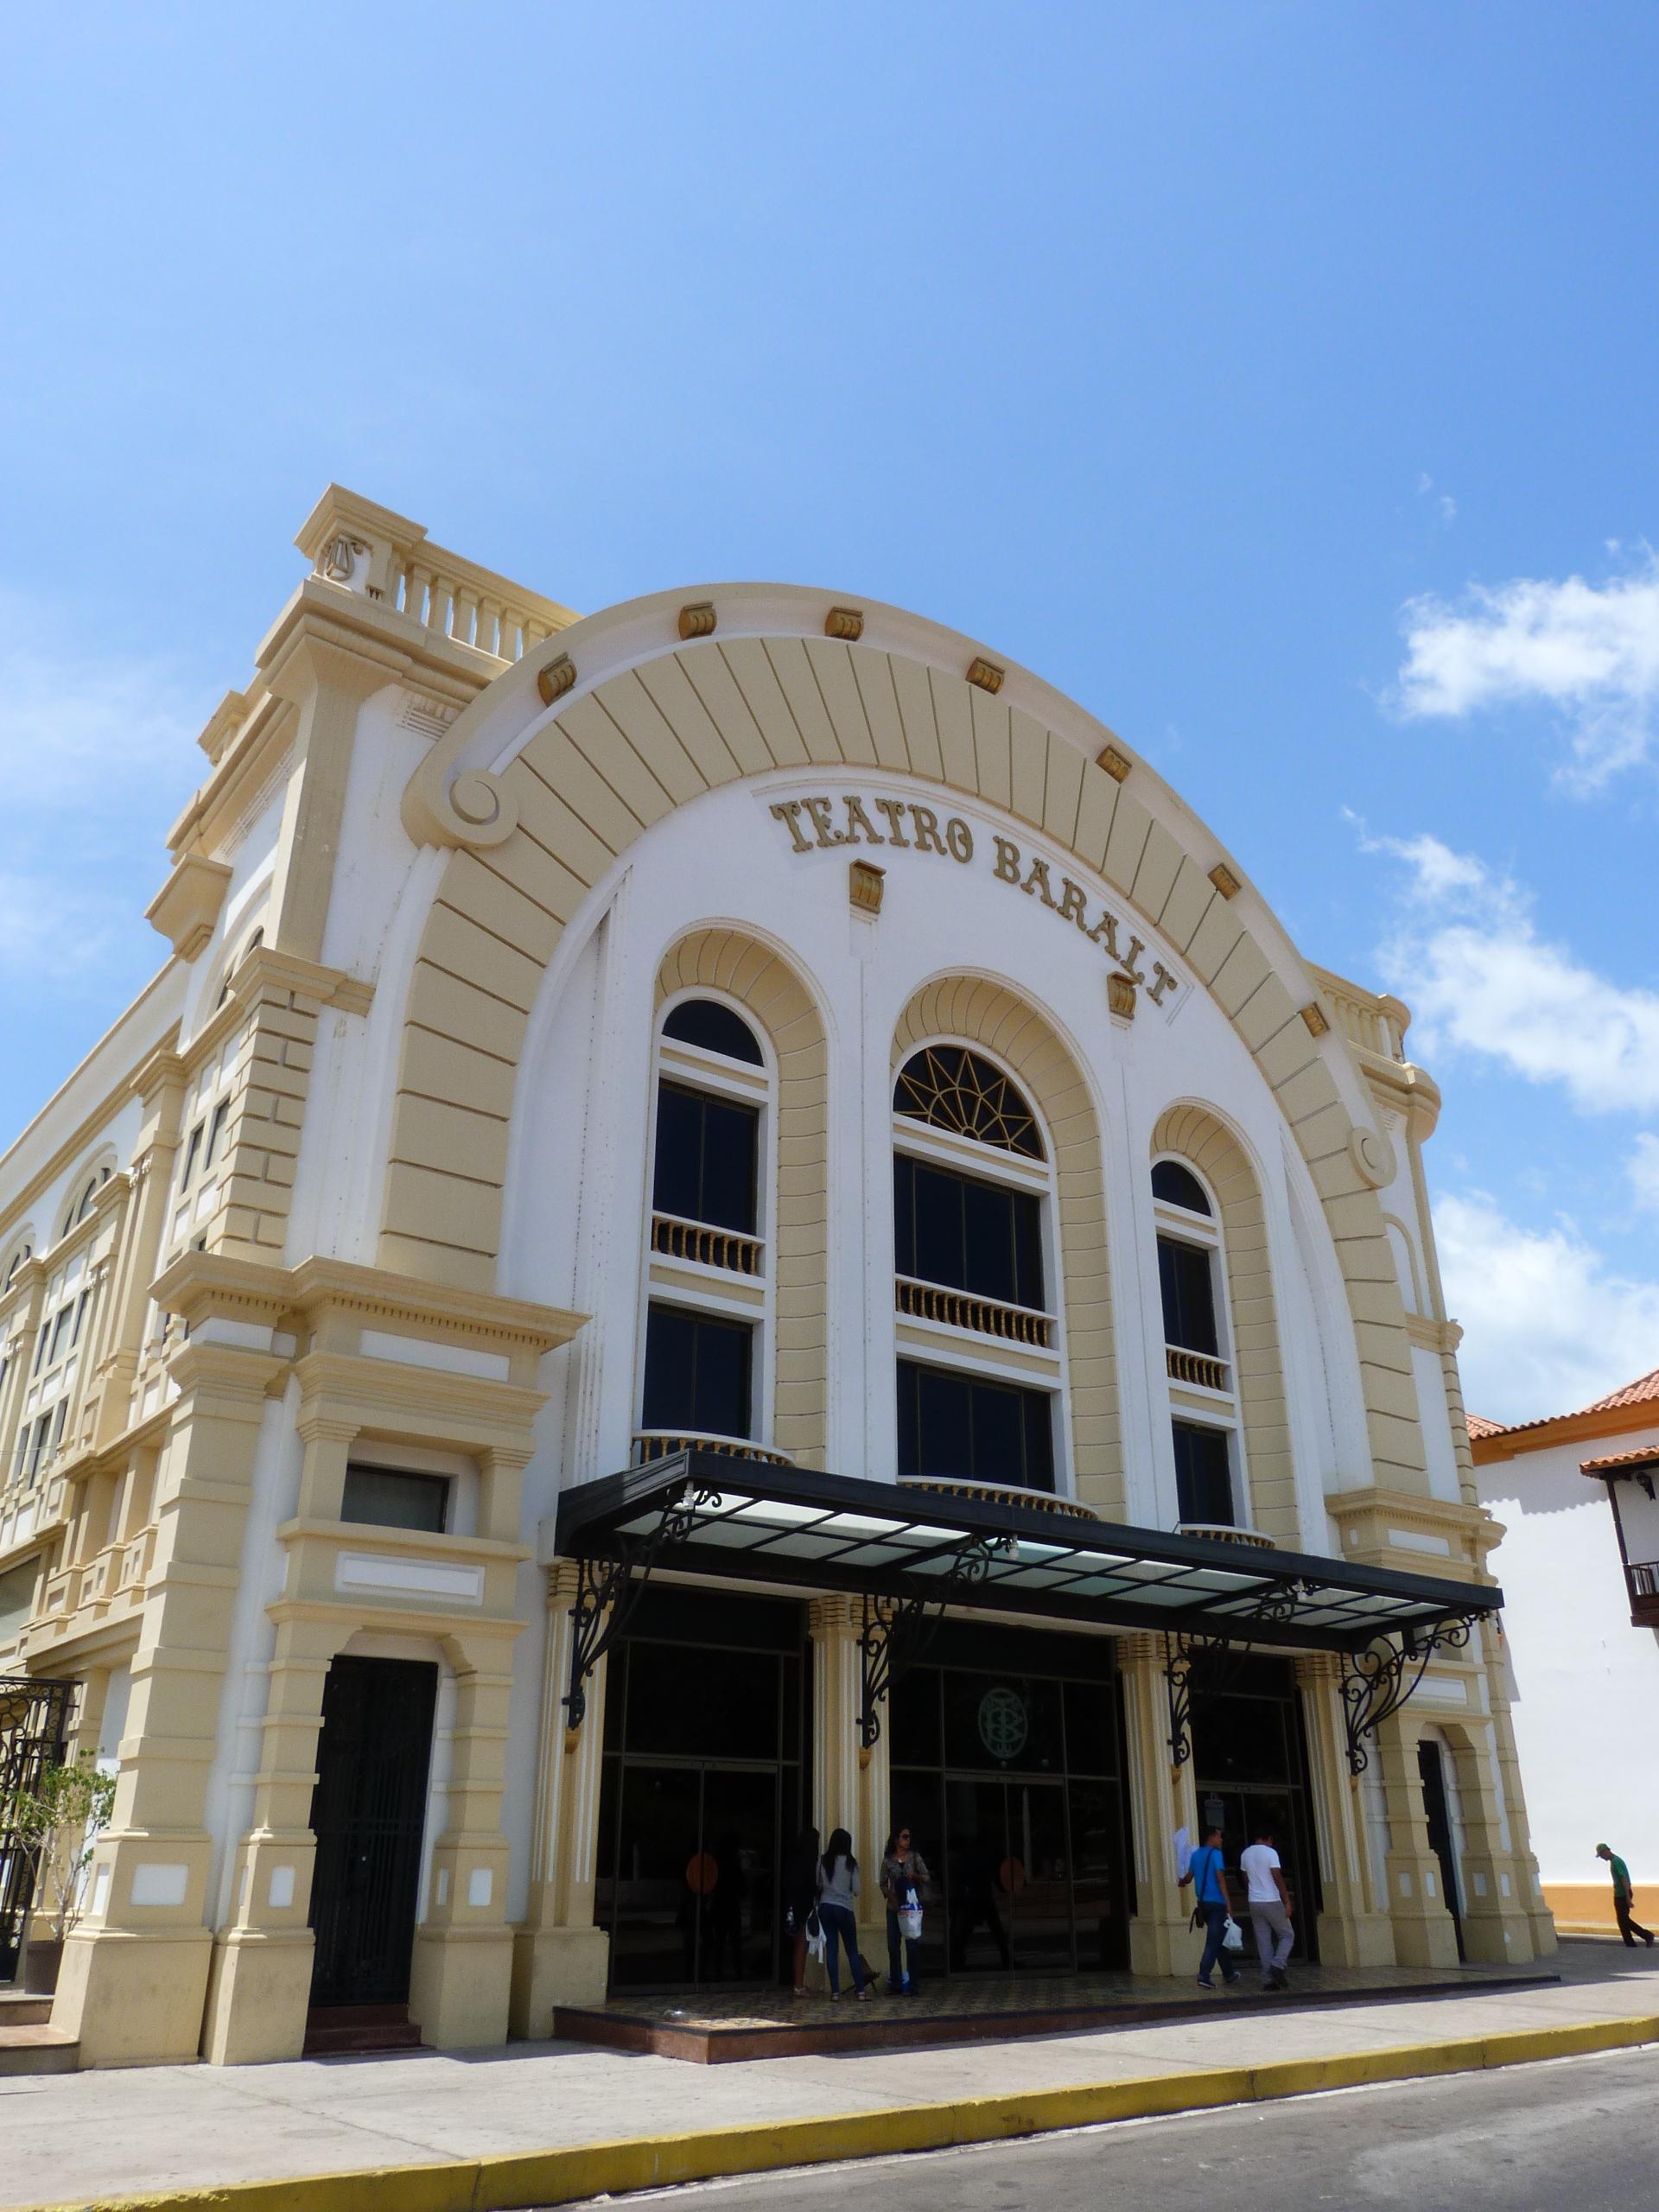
<point x="1278" y="379"/>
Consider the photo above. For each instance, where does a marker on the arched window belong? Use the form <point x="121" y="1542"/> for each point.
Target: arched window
<point x="950" y="1088"/>
<point x="1197" y="1349"/>
<point x="83" y="1192"/>
<point x="972" y="1188"/>
<point x="20" y="1252"/>
<point x="707" y="1255"/>
<point x="256" y="938"/>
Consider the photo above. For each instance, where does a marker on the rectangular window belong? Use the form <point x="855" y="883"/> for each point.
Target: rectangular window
<point x="706" y="1153"/>
<point x="1186" y="1278"/>
<point x="16" y="1597"/>
<point x="192" y="1149"/>
<point x="975" y="1429"/>
<point x="389" y="1499"/>
<point x="216" y="1129"/>
<point x="696" y="1373"/>
<point x="966" y="1234"/>
<point x="59" y="1334"/>
<point x="82" y="1303"/>
<point x="1203" y="1480"/>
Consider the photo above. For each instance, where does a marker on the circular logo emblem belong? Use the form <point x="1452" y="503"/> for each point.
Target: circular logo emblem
<point x="1003" y="1726"/>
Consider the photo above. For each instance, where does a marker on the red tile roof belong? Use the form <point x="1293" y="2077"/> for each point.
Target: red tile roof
<point x="1643" y="1391"/>
<point x="1479" y="1426"/>
<point x="1647" y="1457"/>
<point x="1597" y="1419"/>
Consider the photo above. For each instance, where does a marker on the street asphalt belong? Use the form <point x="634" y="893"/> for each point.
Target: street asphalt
<point x="1576" y="2132"/>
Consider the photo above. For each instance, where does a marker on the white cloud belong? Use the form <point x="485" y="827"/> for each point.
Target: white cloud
<point x="1468" y="958"/>
<point x="1591" y="650"/>
<point x="1548" y="1326"/>
<point x="1446" y="507"/>
<point x="96" y="759"/>
<point x="1642" y="1169"/>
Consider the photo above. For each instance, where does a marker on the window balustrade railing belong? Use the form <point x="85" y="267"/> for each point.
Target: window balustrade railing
<point x="1197" y="1367"/>
<point x="651" y="1444"/>
<point x="1225" y="1532"/>
<point x="679" y="1239"/>
<point x="986" y="1317"/>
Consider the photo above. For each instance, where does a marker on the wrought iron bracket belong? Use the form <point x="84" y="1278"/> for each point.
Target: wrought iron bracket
<point x="1196" y="1665"/>
<point x="608" y="1591"/>
<point x="1377" y="1682"/>
<point x="898" y="1628"/>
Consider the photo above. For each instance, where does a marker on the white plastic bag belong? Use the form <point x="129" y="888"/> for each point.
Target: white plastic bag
<point x="1232" y="1937"/>
<point x="910" y="1923"/>
<point x="814" y="1936"/>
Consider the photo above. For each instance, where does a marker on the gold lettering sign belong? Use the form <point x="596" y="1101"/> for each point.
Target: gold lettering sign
<point x="820" y="822"/>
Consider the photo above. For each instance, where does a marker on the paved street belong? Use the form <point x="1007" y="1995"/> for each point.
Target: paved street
<point x="1574" y="2131"/>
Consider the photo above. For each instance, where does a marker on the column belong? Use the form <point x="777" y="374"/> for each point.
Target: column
<point x="259" y="1988"/>
<point x="850" y="1783"/>
<point x="1353" y="1931"/>
<point x="461" y="1972"/>
<point x="1424" y="1935"/>
<point x="559" y="1957"/>
<point x="1162" y="1799"/>
<point x="134" y="1978"/>
<point x="1522" y="1866"/>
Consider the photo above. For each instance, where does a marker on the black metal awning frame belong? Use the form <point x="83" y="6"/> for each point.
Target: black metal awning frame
<point x="909" y="1552"/>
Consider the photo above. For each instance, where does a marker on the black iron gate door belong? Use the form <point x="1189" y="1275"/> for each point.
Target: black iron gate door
<point x="367" y="1813"/>
<point x="34" y="1732"/>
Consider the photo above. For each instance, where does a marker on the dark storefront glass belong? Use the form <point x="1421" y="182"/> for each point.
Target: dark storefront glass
<point x="1249" y="1763"/>
<point x="703" y="1793"/>
<point x="1009" y="1778"/>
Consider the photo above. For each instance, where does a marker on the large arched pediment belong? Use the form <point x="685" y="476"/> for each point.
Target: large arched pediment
<point x="653" y="705"/>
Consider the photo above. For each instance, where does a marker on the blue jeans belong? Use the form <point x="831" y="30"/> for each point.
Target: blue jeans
<point x="838" y="1924"/>
<point x="1215" y="1921"/>
<point x="901" y="1955"/>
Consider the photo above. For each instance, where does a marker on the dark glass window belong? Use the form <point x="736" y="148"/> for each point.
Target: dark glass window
<point x="696" y="1373"/>
<point x="393" y="1500"/>
<point x="969" y="1235"/>
<point x="706" y="1149"/>
<point x="983" y="1432"/>
<point x="1186" y="1278"/>
<point x="715" y="1027"/>
<point x="1204" y="1482"/>
<point x="1178" y="1186"/>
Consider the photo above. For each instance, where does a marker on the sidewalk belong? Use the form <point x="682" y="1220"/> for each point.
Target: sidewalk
<point x="89" y="2138"/>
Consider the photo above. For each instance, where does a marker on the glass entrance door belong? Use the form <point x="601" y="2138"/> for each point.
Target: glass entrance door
<point x="695" y="1887"/>
<point x="1008" y="1875"/>
<point x="1250" y="1767"/>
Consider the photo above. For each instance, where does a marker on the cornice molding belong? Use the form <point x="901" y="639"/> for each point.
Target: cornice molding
<point x="185" y="908"/>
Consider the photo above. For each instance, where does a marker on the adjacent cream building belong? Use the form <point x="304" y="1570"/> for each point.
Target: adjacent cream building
<point x="723" y="1214"/>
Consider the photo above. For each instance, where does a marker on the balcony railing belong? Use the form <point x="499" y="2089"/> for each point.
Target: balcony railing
<point x="677" y="1239"/>
<point x="1225" y="1532"/>
<point x="1014" y="1324"/>
<point x="651" y="1444"/>
<point x="1196" y="1368"/>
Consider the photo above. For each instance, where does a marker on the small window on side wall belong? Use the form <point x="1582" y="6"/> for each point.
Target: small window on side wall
<point x="387" y="1499"/>
<point x="1178" y="1186"/>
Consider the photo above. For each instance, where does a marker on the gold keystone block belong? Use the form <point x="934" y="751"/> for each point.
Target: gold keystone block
<point x="1313" y="1015"/>
<point x="846" y="622"/>
<point x="556" y="678"/>
<point x="1120" y="995"/>
<point x="1224" y="880"/>
<point x="1115" y="764"/>
<point x="864" y="884"/>
<point x="986" y="674"/>
<point x="697" y="620"/>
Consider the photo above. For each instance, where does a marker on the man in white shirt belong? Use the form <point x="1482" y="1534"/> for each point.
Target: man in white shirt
<point x="1270" y="1903"/>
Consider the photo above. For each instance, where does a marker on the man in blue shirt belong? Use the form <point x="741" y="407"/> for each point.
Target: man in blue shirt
<point x="1204" y="1873"/>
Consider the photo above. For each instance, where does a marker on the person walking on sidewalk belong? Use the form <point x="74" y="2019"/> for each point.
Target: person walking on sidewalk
<point x="1270" y="1908"/>
<point x="1204" y="1873"/>
<point x="903" y="1880"/>
<point x="1623" y="1898"/>
<point x="838" y="1885"/>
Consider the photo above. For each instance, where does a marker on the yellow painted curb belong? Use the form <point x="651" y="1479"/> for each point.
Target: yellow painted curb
<point x="565" y="2176"/>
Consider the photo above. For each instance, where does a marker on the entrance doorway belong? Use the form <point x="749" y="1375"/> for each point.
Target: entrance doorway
<point x="368" y="1812"/>
<point x="1437" y="1809"/>
<point x="1006" y="1760"/>
<point x="702" y="1796"/>
<point x="1250" y="1761"/>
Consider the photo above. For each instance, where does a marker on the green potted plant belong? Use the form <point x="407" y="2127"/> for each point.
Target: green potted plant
<point x="59" y="1819"/>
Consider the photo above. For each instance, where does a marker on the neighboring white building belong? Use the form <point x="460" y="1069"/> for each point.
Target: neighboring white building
<point x="1581" y="1617"/>
<point x="669" y="1145"/>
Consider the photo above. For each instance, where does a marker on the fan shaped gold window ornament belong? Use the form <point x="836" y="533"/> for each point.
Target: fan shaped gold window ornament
<point x="953" y="1089"/>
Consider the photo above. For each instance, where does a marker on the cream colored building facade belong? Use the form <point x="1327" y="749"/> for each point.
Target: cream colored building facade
<point x="358" y="1196"/>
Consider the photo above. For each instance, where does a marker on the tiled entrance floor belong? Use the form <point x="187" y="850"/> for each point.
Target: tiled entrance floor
<point x="710" y="2025"/>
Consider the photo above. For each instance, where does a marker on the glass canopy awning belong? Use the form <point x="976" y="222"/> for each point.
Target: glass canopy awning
<point x="909" y="1550"/>
<point x="708" y="1514"/>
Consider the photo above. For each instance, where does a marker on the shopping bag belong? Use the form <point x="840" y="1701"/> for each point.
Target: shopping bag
<point x="1232" y="1937"/>
<point x="910" y="1923"/>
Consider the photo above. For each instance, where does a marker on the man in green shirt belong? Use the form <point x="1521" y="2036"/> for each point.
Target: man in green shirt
<point x="1629" y="1929"/>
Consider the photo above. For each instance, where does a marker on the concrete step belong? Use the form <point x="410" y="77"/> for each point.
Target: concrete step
<point x="331" y="2029"/>
<point x="22" y="2008"/>
<point x="38" y="2051"/>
